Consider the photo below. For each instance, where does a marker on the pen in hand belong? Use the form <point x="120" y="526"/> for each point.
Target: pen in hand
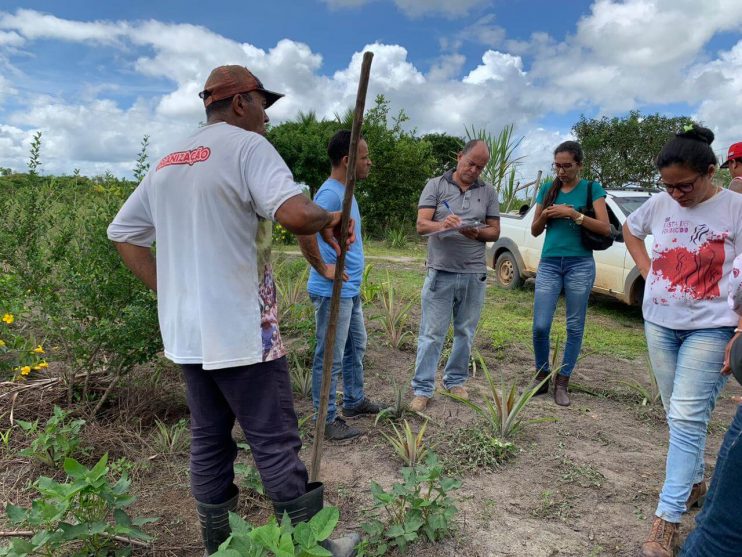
<point x="452" y="220"/>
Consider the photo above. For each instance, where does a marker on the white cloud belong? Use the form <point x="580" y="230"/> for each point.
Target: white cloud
<point x="497" y="66"/>
<point x="33" y="25"/>
<point x="484" y="32"/>
<point x="418" y="8"/>
<point x="621" y="55"/>
<point x="625" y="54"/>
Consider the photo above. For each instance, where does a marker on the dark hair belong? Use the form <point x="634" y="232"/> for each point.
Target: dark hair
<point x="471" y="144"/>
<point x="575" y="149"/>
<point x="223" y="104"/>
<point x="339" y="147"/>
<point x="690" y="147"/>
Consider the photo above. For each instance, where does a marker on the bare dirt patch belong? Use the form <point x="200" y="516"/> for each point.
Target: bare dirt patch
<point x="584" y="484"/>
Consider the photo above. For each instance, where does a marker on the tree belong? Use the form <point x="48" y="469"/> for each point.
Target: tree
<point x="303" y="145"/>
<point x="142" y="167"/>
<point x="402" y="164"/>
<point x="621" y="151"/>
<point x="444" y="148"/>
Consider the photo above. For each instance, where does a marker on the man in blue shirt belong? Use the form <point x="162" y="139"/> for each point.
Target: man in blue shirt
<point x="350" y="336"/>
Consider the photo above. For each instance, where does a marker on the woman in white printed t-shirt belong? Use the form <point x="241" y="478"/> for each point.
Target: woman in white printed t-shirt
<point x="696" y="230"/>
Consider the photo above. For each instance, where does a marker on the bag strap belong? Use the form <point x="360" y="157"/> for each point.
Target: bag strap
<point x="589" y="205"/>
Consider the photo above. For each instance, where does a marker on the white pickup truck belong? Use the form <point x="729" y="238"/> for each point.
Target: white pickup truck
<point x="515" y="256"/>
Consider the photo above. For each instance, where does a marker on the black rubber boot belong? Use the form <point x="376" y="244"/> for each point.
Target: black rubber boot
<point x="215" y="522"/>
<point x="305" y="507"/>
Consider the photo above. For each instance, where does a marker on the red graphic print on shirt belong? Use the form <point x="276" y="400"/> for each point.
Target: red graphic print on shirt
<point x="695" y="270"/>
<point x="199" y="154"/>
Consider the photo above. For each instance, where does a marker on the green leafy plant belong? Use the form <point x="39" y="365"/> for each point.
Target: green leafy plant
<point x="419" y="506"/>
<point x="474" y="447"/>
<point x="34" y="159"/>
<point x="396" y="410"/>
<point x="20" y="353"/>
<point x="5" y="436"/>
<point x="396" y="237"/>
<point x="502" y="407"/>
<point x="171" y="439"/>
<point x="410" y="447"/>
<point x="291" y="291"/>
<point x="83" y="516"/>
<point x="369" y="289"/>
<point x="648" y="395"/>
<point x="142" y="166"/>
<point x="502" y="149"/>
<point x="58" y="440"/>
<point x="250" y="478"/>
<point x="100" y="318"/>
<point x="394" y="315"/>
<point x="282" y="540"/>
<point x="301" y="378"/>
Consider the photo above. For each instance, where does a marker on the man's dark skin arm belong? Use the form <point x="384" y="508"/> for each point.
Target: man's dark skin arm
<point x="140" y="261"/>
<point x="299" y="215"/>
<point x="310" y="250"/>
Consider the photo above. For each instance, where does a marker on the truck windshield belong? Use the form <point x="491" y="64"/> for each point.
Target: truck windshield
<point x="629" y="204"/>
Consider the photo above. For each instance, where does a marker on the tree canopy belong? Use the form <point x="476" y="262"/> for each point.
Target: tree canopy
<point x="402" y="161"/>
<point x="621" y="151"/>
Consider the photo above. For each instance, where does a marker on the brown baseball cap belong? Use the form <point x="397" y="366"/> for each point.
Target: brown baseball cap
<point x="227" y="81"/>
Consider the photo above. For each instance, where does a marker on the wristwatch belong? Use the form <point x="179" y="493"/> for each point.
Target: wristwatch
<point x="578" y="220"/>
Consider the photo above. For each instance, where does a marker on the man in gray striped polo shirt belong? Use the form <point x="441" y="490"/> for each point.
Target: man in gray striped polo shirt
<point x="456" y="268"/>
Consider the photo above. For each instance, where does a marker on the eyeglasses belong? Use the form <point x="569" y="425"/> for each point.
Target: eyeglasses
<point x="682" y="187"/>
<point x="556" y="166"/>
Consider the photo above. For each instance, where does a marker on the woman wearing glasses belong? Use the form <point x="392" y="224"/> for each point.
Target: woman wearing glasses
<point x="565" y="263"/>
<point x="696" y="230"/>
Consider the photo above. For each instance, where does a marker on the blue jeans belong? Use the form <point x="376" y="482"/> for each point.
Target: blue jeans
<point x="718" y="531"/>
<point x="446" y="295"/>
<point x="350" y="346"/>
<point x="574" y="275"/>
<point x="687" y="365"/>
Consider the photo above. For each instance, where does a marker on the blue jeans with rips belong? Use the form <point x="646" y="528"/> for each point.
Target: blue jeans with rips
<point x="687" y="365"/>
<point x="445" y="296"/>
<point x="574" y="275"/>
<point x="718" y="532"/>
<point x="350" y="346"/>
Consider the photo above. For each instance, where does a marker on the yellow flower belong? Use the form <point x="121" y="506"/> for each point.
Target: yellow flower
<point x="43" y="365"/>
<point x="39" y="349"/>
<point x="8" y="318"/>
<point x="25" y="370"/>
<point x="2" y="343"/>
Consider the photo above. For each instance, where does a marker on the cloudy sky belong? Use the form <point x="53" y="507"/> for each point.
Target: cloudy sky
<point x="95" y="77"/>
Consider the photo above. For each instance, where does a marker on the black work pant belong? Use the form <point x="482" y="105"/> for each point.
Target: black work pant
<point x="259" y="397"/>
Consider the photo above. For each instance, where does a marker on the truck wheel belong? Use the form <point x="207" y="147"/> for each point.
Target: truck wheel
<point x="507" y="273"/>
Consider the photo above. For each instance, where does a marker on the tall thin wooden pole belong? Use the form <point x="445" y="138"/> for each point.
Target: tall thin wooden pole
<point x="350" y="182"/>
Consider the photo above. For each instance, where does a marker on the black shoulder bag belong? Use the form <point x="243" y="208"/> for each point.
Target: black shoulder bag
<point x="590" y="239"/>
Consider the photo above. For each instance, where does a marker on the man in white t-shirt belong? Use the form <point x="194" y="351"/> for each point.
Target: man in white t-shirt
<point x="734" y="164"/>
<point x="208" y="205"/>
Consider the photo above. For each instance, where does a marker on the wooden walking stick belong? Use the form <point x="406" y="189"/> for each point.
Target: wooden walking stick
<point x="350" y="182"/>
